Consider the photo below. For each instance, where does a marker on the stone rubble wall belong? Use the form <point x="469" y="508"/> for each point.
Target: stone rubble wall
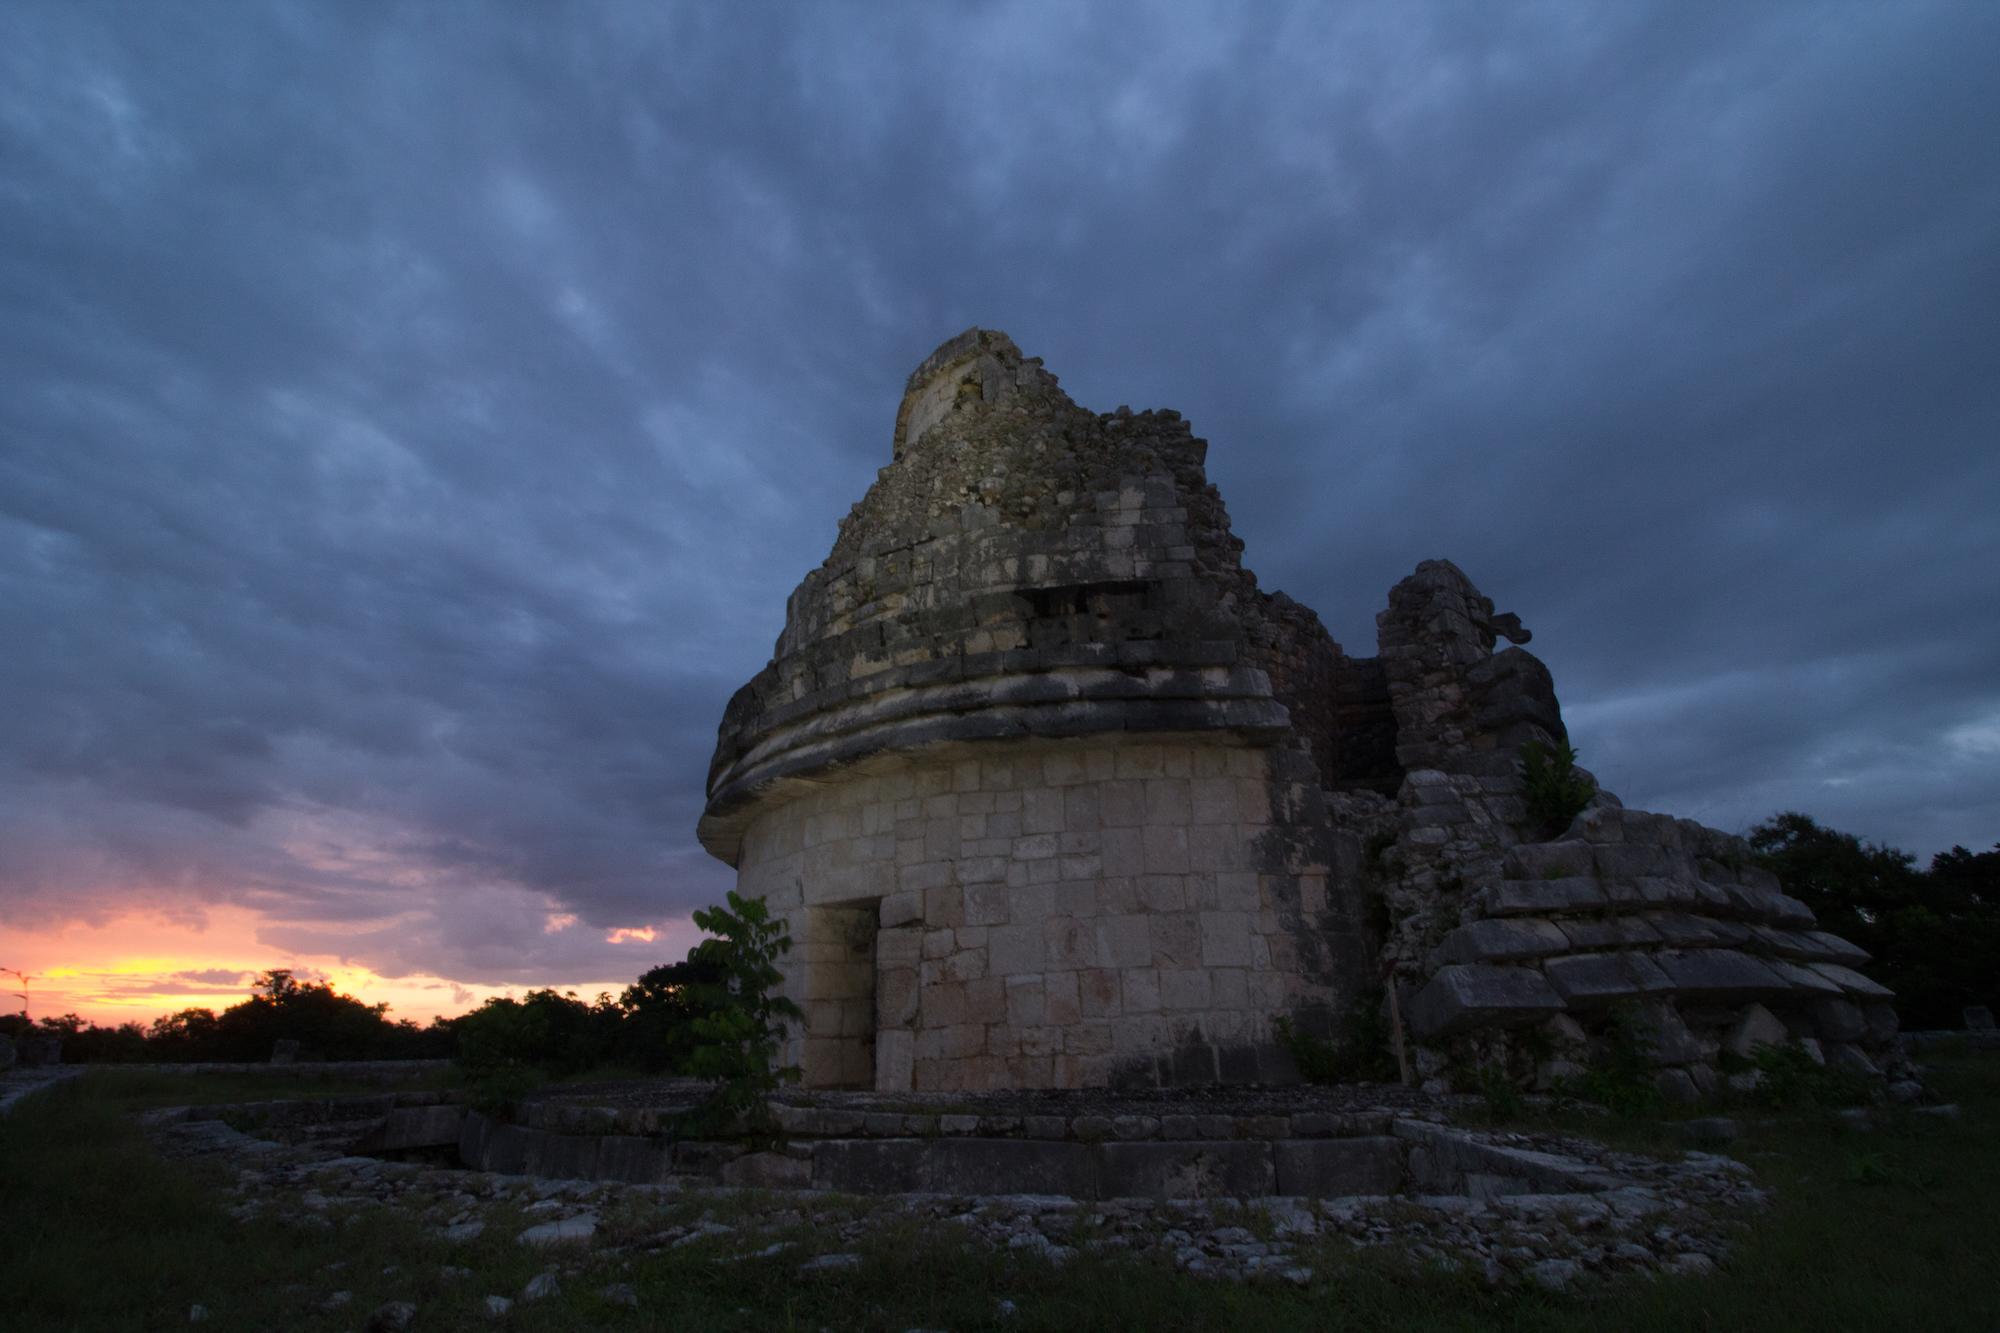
<point x="1671" y="921"/>
<point x="1528" y="956"/>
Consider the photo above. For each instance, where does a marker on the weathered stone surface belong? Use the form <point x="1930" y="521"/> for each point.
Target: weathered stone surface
<point x="569" y="1231"/>
<point x="1525" y="897"/>
<point x="1198" y="1170"/>
<point x="1716" y="973"/>
<point x="1467" y="995"/>
<point x="1013" y="1166"/>
<point x="1757" y="1026"/>
<point x="1605" y="978"/>
<point x="864" y="1166"/>
<point x="1502" y="941"/>
<point x="1853" y="982"/>
<point x="1332" y="1168"/>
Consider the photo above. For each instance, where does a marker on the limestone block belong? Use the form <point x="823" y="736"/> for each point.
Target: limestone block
<point x="1225" y="939"/>
<point x="1139" y="990"/>
<point x="1098" y="992"/>
<point x="1015" y="949"/>
<point x="1185" y="989"/>
<point x="1837" y="949"/>
<point x="1680" y="930"/>
<point x="1718" y="973"/>
<point x="895" y="1057"/>
<point x="1501" y="940"/>
<point x="1013" y="1166"/>
<point x="1853" y="982"/>
<point x="1166" y="850"/>
<point x="1514" y="897"/>
<point x="1602" y="978"/>
<point x="1338" y="1167"/>
<point x="1126" y="940"/>
<point x="1629" y="860"/>
<point x="1072" y="943"/>
<point x="1027" y="1004"/>
<point x="1608" y="932"/>
<point x="1176" y="940"/>
<point x="1667" y="1037"/>
<point x="1061" y="998"/>
<point x="1802" y="978"/>
<point x="902" y="947"/>
<point x="872" y="1166"/>
<point x="1839" y="1021"/>
<point x="1185" y="1170"/>
<point x="1549" y="860"/>
<point x="1464" y="996"/>
<point x="1757" y="1026"/>
<point x="900" y="909"/>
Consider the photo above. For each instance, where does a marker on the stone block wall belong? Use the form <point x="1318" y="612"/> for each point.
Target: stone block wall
<point x="1050" y="914"/>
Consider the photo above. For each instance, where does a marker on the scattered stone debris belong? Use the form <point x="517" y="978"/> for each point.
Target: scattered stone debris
<point x="1600" y="1212"/>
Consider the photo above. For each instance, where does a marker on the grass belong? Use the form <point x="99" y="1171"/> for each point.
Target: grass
<point x="1894" y="1229"/>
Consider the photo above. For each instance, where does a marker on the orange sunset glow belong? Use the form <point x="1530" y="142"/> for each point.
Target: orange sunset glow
<point x="136" y="967"/>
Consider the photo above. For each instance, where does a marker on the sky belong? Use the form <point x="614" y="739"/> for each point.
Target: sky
<point x="413" y="417"/>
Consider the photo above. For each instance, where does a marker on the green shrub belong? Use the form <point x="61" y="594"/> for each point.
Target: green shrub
<point x="1555" y="791"/>
<point x="1620" y="1076"/>
<point x="737" y="1037"/>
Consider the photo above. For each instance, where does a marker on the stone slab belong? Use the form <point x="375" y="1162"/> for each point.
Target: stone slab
<point x="1334" y="1168"/>
<point x="1502" y="940"/>
<point x="1200" y="1169"/>
<point x="1718" y="973"/>
<point x="871" y="1166"/>
<point x="1603" y="978"/>
<point x="1013" y="1166"/>
<point x="1469" y="995"/>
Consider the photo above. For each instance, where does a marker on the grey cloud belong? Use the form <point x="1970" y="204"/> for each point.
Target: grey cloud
<point x="416" y="420"/>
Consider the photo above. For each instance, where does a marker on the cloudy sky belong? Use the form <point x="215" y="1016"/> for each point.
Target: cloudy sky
<point x="412" y="418"/>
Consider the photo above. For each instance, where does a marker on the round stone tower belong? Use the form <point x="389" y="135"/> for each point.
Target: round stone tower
<point x="1032" y="775"/>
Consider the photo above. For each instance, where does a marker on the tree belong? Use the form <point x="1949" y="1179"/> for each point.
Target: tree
<point x="662" y="1007"/>
<point x="737" y="1039"/>
<point x="1934" y="933"/>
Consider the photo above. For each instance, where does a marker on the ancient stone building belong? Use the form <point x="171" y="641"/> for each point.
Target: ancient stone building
<point x="1051" y="794"/>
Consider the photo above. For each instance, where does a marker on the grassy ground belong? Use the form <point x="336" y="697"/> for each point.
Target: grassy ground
<point x="1895" y="1229"/>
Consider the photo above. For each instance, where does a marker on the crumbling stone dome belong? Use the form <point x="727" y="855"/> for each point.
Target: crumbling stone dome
<point x="1050" y="794"/>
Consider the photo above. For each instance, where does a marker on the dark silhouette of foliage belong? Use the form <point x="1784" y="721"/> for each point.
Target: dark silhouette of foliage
<point x="1555" y="791"/>
<point x="1934" y="933"/>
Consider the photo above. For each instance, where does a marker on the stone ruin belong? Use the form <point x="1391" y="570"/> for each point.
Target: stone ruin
<point x="1050" y="794"/>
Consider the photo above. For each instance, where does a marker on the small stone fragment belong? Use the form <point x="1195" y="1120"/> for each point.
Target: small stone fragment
<point x="831" y="1263"/>
<point x="391" y="1317"/>
<point x="540" y="1287"/>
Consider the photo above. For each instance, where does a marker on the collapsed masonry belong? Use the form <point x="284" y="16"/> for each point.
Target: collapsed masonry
<point x="1050" y="794"/>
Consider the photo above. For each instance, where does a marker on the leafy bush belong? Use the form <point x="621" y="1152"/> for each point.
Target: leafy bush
<point x="738" y="1035"/>
<point x="1620" y="1076"/>
<point x="1793" y="1080"/>
<point x="1555" y="791"/>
